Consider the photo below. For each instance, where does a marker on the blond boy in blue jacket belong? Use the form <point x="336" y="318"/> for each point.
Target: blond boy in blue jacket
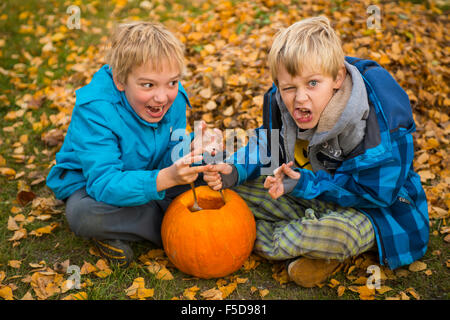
<point x="126" y="154"/>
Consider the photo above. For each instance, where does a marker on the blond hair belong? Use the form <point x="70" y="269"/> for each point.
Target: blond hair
<point x="136" y="43"/>
<point x="311" y="42"/>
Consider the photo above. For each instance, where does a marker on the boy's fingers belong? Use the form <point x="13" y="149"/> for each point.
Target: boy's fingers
<point x="291" y="173"/>
<point x="191" y="158"/>
<point x="221" y="167"/>
<point x="198" y="169"/>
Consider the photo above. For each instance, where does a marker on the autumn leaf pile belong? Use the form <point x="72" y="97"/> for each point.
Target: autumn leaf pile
<point x="226" y="76"/>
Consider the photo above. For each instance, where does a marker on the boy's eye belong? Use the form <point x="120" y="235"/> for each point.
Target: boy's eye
<point x="288" y="88"/>
<point x="312" y="83"/>
<point x="147" y="85"/>
<point x="173" y="83"/>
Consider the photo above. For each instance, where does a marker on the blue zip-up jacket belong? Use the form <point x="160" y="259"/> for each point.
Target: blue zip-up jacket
<point x="110" y="150"/>
<point x="376" y="178"/>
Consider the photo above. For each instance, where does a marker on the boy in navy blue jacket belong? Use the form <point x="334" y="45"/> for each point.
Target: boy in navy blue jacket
<point x="341" y="130"/>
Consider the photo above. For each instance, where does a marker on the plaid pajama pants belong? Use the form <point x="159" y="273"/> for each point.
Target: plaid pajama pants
<point x="290" y="227"/>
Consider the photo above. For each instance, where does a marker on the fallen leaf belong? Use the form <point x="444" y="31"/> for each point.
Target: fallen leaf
<point x="333" y="283"/>
<point x="76" y="296"/>
<point x="44" y="230"/>
<point x="212" y="294"/>
<point x="138" y="291"/>
<point x="27" y="296"/>
<point x="14" y="264"/>
<point x="12" y="224"/>
<point x="263" y="292"/>
<point x="6" y="293"/>
<point x="417" y="266"/>
<point x="341" y="290"/>
<point x="413" y="293"/>
<point x="190" y="293"/>
<point x="87" y="268"/>
<point x="383" y="289"/>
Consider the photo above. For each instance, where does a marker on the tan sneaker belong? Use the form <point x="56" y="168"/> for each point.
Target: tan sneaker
<point x="311" y="272"/>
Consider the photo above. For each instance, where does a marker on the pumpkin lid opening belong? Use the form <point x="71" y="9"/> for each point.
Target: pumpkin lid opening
<point x="208" y="202"/>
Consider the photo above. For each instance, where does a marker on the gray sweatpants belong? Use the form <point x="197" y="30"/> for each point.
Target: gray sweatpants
<point x="89" y="218"/>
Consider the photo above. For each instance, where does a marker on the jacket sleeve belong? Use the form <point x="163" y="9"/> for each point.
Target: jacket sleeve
<point x="377" y="186"/>
<point x="97" y="148"/>
<point x="255" y="158"/>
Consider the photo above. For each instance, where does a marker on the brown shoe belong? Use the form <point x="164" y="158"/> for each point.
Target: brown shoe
<point x="311" y="272"/>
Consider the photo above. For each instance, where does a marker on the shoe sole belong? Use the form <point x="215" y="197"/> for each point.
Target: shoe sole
<point x="111" y="253"/>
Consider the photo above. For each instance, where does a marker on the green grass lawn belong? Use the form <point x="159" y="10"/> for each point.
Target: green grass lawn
<point x="40" y="59"/>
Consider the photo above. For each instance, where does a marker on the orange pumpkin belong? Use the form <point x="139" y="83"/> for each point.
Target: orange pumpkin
<point x="210" y="243"/>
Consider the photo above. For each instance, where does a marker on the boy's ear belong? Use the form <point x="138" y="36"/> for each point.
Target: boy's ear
<point x="340" y="77"/>
<point x="118" y="84"/>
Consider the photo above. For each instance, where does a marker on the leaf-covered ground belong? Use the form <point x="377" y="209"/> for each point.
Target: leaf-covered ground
<point x="43" y="62"/>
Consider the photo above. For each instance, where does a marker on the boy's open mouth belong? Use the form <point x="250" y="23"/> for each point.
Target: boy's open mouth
<point x="155" y="111"/>
<point x="303" y="115"/>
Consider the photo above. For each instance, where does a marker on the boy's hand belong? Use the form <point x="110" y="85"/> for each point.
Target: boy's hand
<point x="212" y="175"/>
<point x="275" y="183"/>
<point x="180" y="172"/>
<point x="208" y="140"/>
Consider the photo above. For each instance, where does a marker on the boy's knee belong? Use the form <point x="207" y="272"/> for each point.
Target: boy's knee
<point x="80" y="218"/>
<point x="348" y="240"/>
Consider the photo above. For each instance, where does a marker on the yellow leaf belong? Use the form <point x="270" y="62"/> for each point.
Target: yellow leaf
<point x="340" y="290"/>
<point x="77" y="296"/>
<point x="27" y="296"/>
<point x="103" y="273"/>
<point x="15" y="210"/>
<point x="12" y="225"/>
<point x="263" y="292"/>
<point x="417" y="266"/>
<point x="57" y="37"/>
<point x="282" y="277"/>
<point x="241" y="280"/>
<point x="164" y="274"/>
<point x="14" y="264"/>
<point x="191" y="292"/>
<point x="44" y="230"/>
<point x="228" y="289"/>
<point x="6" y="293"/>
<point x="212" y="294"/>
<point x="333" y="283"/>
<point x="155" y="253"/>
<point x="19" y="234"/>
<point x="414" y="293"/>
<point x="7" y="172"/>
<point x="87" y="268"/>
<point x="383" y="289"/>
<point x="360" y="280"/>
<point x="102" y="264"/>
<point x="138" y="291"/>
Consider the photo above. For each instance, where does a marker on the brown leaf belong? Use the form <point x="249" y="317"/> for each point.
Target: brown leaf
<point x="12" y="225"/>
<point x="212" y="294"/>
<point x="417" y="266"/>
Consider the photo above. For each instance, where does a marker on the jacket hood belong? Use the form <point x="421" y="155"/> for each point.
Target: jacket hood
<point x="101" y="87"/>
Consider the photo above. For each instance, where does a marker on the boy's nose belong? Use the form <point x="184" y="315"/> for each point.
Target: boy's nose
<point x="301" y="96"/>
<point x="160" y="96"/>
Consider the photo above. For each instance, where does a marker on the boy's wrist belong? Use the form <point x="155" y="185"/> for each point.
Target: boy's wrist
<point x="164" y="180"/>
<point x="231" y="179"/>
